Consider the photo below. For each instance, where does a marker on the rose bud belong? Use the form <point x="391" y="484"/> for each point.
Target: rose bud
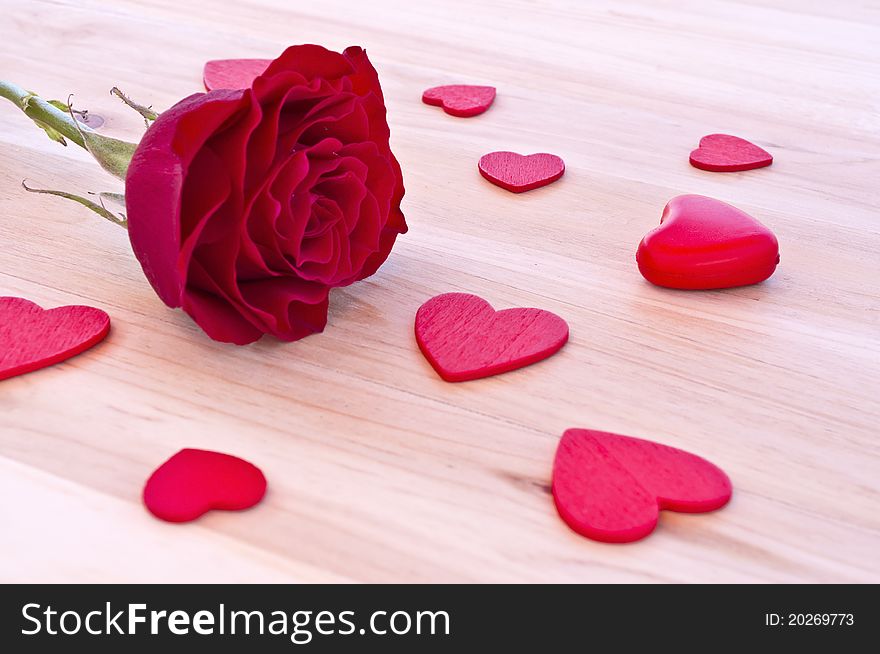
<point x="245" y="207"/>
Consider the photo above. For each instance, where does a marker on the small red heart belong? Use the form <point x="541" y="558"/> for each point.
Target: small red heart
<point x="611" y="488"/>
<point x="518" y="173"/>
<point x="464" y="338"/>
<point x="461" y="100"/>
<point x="703" y="243"/>
<point x="233" y="73"/>
<point x="723" y="153"/>
<point x="192" y="482"/>
<point x="32" y="338"/>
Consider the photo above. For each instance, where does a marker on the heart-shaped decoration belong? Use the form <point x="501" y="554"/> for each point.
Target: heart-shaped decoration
<point x="611" y="488"/>
<point x="518" y="173"/>
<point x="32" y="338"/>
<point x="233" y="73"/>
<point x="703" y="243"/>
<point x="464" y="338"/>
<point x="723" y="153"/>
<point x="463" y="100"/>
<point x="192" y="482"/>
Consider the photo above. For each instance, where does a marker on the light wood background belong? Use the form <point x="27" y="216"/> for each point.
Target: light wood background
<point x="378" y="470"/>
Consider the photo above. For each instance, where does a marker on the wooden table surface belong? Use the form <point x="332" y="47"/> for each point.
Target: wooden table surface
<point x="380" y="471"/>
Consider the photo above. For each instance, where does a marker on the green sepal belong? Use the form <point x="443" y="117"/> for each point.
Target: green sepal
<point x="100" y="209"/>
<point x="112" y="154"/>
<point x="148" y="113"/>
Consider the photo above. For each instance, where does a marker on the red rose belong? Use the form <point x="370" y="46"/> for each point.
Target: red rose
<point x="245" y="207"/>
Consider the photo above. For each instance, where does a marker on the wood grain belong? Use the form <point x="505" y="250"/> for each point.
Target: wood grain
<point x="380" y="471"/>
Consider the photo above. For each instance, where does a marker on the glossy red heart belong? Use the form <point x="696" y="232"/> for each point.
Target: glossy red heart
<point x="461" y="100"/>
<point x="193" y="482"/>
<point x="33" y="338"/>
<point x="519" y="173"/>
<point x="703" y="243"/>
<point x="611" y="488"/>
<point x="723" y="153"/>
<point x="233" y="73"/>
<point x="464" y="338"/>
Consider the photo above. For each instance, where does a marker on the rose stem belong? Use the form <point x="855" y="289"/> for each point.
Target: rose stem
<point x="41" y="111"/>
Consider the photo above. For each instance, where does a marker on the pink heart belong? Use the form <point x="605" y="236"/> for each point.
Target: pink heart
<point x="464" y="338"/>
<point x="723" y="153"/>
<point x="461" y="100"/>
<point x="703" y="243"/>
<point x="518" y="173"/>
<point x="193" y="482"/>
<point x="32" y="338"/>
<point x="233" y="73"/>
<point x="611" y="488"/>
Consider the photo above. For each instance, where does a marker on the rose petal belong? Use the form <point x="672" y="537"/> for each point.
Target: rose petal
<point x="219" y="319"/>
<point x="365" y="79"/>
<point x="310" y="61"/>
<point x="297" y="307"/>
<point x="154" y="183"/>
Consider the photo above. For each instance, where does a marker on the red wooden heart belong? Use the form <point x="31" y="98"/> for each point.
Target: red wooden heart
<point x="233" y="73"/>
<point x="464" y="338"/>
<point x="518" y="173"/>
<point x="461" y="100"/>
<point x="703" y="243"/>
<point x="193" y="482"/>
<point x="612" y="488"/>
<point x="723" y="153"/>
<point x="32" y="338"/>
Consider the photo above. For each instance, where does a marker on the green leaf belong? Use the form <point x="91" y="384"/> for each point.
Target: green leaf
<point x="58" y="105"/>
<point x="51" y="132"/>
<point x="97" y="208"/>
